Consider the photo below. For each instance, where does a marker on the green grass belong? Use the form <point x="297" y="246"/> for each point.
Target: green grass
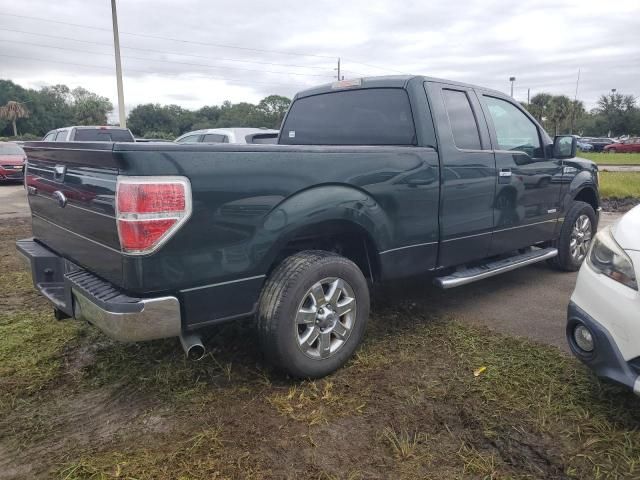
<point x="619" y="184"/>
<point x="612" y="158"/>
<point x="30" y="352"/>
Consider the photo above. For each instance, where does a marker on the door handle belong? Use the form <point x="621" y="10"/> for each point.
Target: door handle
<point x="504" y="172"/>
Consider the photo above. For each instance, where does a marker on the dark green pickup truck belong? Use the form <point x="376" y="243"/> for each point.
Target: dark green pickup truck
<point x="372" y="180"/>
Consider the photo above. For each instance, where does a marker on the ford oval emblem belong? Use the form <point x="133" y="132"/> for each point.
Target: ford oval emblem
<point x="60" y="198"/>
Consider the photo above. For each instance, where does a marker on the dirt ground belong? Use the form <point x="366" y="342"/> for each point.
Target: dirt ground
<point x="74" y="404"/>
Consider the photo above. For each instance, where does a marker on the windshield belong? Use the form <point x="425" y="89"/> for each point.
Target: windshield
<point x="10" y="149"/>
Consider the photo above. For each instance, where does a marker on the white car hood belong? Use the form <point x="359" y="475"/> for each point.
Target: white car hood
<point x="627" y="230"/>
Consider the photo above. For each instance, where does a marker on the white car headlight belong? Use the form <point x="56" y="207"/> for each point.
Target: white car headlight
<point x="608" y="258"/>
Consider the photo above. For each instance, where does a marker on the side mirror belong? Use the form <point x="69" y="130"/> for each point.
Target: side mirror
<point x="565" y="146"/>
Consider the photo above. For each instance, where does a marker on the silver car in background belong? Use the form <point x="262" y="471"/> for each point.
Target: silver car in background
<point x="230" y="135"/>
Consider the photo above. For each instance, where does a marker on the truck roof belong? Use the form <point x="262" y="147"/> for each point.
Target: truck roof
<point x="84" y="127"/>
<point x="387" y="81"/>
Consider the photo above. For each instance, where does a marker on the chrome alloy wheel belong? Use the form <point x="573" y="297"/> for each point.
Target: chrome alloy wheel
<point x="580" y="238"/>
<point x="325" y="317"/>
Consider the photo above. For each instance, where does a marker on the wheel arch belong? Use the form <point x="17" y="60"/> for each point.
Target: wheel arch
<point x="335" y="218"/>
<point x="588" y="194"/>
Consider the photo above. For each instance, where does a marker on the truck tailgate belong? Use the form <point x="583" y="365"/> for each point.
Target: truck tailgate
<point x="71" y="192"/>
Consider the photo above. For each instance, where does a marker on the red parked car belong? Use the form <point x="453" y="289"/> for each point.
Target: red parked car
<point x="12" y="160"/>
<point x="625" y="146"/>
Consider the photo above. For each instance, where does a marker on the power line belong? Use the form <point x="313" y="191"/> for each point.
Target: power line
<point x="165" y="52"/>
<point x="164" y="60"/>
<point x="373" y="66"/>
<point x="158" y="37"/>
<point x="249" y="82"/>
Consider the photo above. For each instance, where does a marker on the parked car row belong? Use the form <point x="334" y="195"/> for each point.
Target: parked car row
<point x="597" y="144"/>
<point x="608" y="145"/>
<point x="117" y="134"/>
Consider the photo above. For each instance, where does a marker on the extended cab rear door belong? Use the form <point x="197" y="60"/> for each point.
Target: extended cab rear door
<point x="468" y="173"/>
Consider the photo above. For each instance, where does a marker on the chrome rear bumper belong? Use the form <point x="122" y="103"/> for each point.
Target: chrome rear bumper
<point x="80" y="294"/>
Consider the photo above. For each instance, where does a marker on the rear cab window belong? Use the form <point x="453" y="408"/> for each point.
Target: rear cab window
<point x="262" y="138"/>
<point x="103" y="135"/>
<point x="373" y="116"/>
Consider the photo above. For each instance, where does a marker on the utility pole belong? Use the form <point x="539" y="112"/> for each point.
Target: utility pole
<point x="339" y="77"/>
<point x="528" y="96"/>
<point x="116" y="46"/>
<point x="575" y="105"/>
<point x="512" y="80"/>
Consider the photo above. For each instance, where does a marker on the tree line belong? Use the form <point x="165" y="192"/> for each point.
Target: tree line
<point x="615" y="114"/>
<point x="34" y="112"/>
<point x="169" y="121"/>
<point x="31" y="113"/>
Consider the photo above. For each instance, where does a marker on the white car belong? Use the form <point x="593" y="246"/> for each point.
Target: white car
<point x="230" y="135"/>
<point x="603" y="327"/>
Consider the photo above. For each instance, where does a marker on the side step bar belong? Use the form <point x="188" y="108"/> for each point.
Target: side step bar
<point x="470" y="275"/>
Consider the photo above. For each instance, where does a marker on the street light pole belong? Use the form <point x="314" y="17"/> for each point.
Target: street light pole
<point x="512" y="80"/>
<point x="116" y="46"/>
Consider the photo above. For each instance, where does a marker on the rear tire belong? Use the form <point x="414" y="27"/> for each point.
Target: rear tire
<point x="313" y="313"/>
<point x="577" y="231"/>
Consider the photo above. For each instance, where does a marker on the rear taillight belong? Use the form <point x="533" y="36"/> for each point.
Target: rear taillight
<point x="149" y="210"/>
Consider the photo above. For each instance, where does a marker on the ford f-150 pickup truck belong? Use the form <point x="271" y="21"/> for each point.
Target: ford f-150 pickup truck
<point x="373" y="180"/>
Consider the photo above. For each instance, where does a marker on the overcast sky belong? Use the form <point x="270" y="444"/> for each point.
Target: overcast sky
<point x="181" y="52"/>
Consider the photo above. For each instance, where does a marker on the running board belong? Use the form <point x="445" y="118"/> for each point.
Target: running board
<point x="470" y="275"/>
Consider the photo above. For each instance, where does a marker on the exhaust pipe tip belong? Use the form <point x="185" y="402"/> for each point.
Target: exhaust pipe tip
<point x="193" y="346"/>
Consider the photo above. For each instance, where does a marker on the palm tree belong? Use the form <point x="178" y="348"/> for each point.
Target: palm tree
<point x="561" y="107"/>
<point x="577" y="112"/>
<point x="13" y="111"/>
<point x="540" y="106"/>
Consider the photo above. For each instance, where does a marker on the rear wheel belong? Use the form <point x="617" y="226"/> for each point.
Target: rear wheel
<point x="578" y="229"/>
<point x="313" y="313"/>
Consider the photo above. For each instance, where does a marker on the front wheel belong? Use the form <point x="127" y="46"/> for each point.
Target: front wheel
<point x="576" y="233"/>
<point x="312" y="314"/>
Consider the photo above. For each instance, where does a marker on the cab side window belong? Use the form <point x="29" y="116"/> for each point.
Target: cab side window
<point x="190" y="139"/>
<point x="215" y="138"/>
<point x="514" y="130"/>
<point x="462" y="120"/>
<point x="61" y="136"/>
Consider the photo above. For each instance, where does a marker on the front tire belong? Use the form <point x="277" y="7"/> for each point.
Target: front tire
<point x="313" y="313"/>
<point x="576" y="233"/>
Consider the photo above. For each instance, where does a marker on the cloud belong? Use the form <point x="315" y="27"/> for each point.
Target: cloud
<point x="182" y="52"/>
